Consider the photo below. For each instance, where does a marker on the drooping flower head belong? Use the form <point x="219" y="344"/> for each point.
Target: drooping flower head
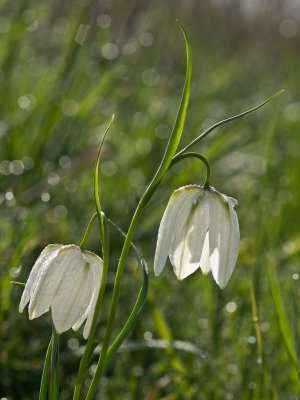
<point x="199" y="228"/>
<point x="67" y="281"/>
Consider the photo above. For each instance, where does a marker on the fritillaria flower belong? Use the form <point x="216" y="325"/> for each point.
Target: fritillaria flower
<point x="199" y="228"/>
<point x="66" y="280"/>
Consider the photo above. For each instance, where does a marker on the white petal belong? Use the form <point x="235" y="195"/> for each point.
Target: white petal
<point x="235" y="233"/>
<point x="73" y="294"/>
<point x="180" y="199"/>
<point x="38" y="273"/>
<point x="95" y="274"/>
<point x="204" y="260"/>
<point x="189" y="235"/>
<point x="50" y="281"/>
<point x="223" y="237"/>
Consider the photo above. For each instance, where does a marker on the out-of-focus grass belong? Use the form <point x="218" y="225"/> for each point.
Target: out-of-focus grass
<point x="57" y="96"/>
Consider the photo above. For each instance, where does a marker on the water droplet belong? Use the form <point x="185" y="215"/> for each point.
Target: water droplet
<point x="110" y="51"/>
<point x="295" y="276"/>
<point x="53" y="179"/>
<point x="65" y="162"/>
<point x="231" y="307"/>
<point x="288" y="28"/>
<point x="69" y="108"/>
<point x="5" y="25"/>
<point x="45" y="197"/>
<point x="104" y="21"/>
<point x="251" y="339"/>
<point x="145" y="39"/>
<point x="150" y="77"/>
<point x="9" y="195"/>
<point x="16" y="167"/>
<point x="143" y="146"/>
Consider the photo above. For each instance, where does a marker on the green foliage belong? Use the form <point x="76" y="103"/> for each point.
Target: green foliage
<point x="60" y="84"/>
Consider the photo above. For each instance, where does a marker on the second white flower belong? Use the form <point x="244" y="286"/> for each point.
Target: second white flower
<point x="199" y="228"/>
<point x="67" y="281"/>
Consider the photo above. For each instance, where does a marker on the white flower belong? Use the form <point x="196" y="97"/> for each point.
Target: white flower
<point x="67" y="280"/>
<point x="199" y="228"/>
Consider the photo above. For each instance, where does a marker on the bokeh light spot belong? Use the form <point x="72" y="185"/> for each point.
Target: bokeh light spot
<point x="288" y="28"/>
<point x="110" y="51"/>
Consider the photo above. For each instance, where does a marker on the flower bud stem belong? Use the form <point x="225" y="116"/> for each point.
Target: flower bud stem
<point x="180" y="157"/>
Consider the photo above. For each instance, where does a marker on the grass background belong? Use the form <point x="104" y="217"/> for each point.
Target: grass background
<point x="65" y="68"/>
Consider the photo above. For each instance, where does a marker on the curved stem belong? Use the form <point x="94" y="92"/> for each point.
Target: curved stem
<point x="140" y="301"/>
<point x="54" y="364"/>
<point x="46" y="371"/>
<point x="90" y="342"/>
<point x="105" y="254"/>
<point x="224" y="121"/>
<point x="115" y="298"/>
<point x="88" y="230"/>
<point x="180" y="157"/>
<point x="167" y="158"/>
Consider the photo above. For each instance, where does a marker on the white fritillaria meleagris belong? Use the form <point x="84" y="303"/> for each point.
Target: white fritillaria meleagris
<point x="66" y="280"/>
<point x="199" y="229"/>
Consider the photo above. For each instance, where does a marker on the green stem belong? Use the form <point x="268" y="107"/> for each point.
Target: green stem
<point x="115" y="298"/>
<point x="105" y="254"/>
<point x="224" y="121"/>
<point x="21" y="284"/>
<point x="90" y="342"/>
<point x="46" y="371"/>
<point x="54" y="364"/>
<point x="88" y="230"/>
<point x="167" y="158"/>
<point x="180" y="157"/>
<point x="255" y="319"/>
<point x="140" y="301"/>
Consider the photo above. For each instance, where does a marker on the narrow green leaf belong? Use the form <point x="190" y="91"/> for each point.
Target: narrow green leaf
<point x="46" y="372"/>
<point x="282" y="318"/>
<point x="224" y="121"/>
<point x="181" y="115"/>
<point x="96" y="176"/>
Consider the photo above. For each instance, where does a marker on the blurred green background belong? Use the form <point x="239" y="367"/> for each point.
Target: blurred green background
<point x="65" y="68"/>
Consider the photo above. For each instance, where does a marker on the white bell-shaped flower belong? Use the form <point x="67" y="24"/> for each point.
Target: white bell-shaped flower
<point x="66" y="280"/>
<point x="199" y="228"/>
